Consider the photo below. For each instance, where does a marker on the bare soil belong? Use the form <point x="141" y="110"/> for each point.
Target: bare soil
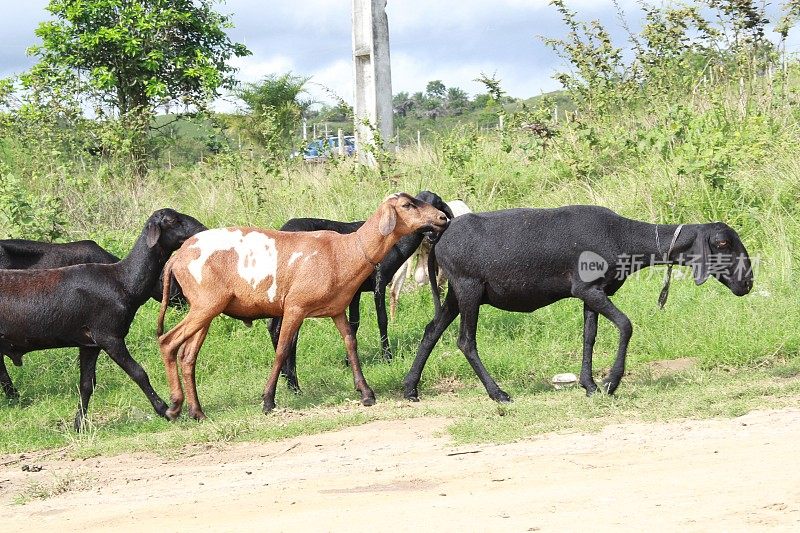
<point x="723" y="474"/>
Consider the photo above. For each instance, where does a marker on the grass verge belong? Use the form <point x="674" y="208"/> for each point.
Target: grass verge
<point x="692" y="393"/>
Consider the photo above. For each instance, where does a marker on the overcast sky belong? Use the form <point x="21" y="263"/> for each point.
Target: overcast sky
<point x="450" y="40"/>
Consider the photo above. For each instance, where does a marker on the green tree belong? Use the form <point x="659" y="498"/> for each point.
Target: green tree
<point x="600" y="79"/>
<point x="457" y="100"/>
<point x="275" y="108"/>
<point x="791" y="13"/>
<point x="400" y="98"/>
<point x="420" y="100"/>
<point x="136" y="55"/>
<point x="435" y="89"/>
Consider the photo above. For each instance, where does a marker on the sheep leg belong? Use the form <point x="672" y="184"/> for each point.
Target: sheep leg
<point x="88" y="363"/>
<point x="598" y="301"/>
<point x="170" y="359"/>
<point x="383" y="321"/>
<point x="274" y="328"/>
<point x="398" y="281"/>
<point x="354" y="314"/>
<point x="349" y="338"/>
<point x="290" y="366"/>
<point x="118" y="351"/>
<point x="289" y="327"/>
<point x="589" y="336"/>
<point x="433" y="331"/>
<point x="469" y="305"/>
<point x="5" y="381"/>
<point x="188" y="361"/>
<point x="289" y="369"/>
<point x="172" y="341"/>
<point x="169" y="355"/>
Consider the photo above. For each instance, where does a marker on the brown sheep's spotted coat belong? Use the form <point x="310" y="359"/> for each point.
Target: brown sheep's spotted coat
<point x="250" y="273"/>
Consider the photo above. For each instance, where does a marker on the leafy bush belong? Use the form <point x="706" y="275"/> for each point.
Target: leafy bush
<point x="29" y="216"/>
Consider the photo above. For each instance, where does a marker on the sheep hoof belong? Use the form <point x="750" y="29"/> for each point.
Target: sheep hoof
<point x="293" y="385"/>
<point x="591" y="389"/>
<point x="609" y="386"/>
<point x="172" y="413"/>
<point x="12" y="399"/>
<point x="411" y="395"/>
<point x="268" y="407"/>
<point x="12" y="395"/>
<point x="368" y="401"/>
<point x="197" y="415"/>
<point x="501" y="397"/>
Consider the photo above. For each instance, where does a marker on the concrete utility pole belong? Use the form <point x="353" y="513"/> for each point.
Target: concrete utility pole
<point x="372" y="75"/>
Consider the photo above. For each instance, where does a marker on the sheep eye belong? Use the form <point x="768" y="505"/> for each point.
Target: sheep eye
<point x="407" y="206"/>
<point x="723" y="244"/>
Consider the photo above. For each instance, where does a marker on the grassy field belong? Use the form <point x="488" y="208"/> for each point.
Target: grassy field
<point x="746" y="349"/>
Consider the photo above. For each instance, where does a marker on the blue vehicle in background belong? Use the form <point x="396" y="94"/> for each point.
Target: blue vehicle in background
<point x="319" y="150"/>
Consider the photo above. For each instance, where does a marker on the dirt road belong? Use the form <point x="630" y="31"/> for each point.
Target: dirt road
<point x="735" y="474"/>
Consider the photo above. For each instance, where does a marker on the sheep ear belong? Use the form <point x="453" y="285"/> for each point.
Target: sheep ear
<point x="701" y="250"/>
<point x="388" y="220"/>
<point x="153" y="234"/>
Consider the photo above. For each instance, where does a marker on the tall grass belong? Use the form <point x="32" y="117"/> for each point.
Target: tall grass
<point x="522" y="351"/>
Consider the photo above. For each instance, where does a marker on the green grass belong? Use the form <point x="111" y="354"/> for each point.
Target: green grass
<point x="726" y="150"/>
<point x="737" y="371"/>
<point x="747" y="348"/>
<point x="121" y="421"/>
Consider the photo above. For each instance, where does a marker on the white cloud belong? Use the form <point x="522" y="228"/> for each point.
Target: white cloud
<point x="336" y="77"/>
<point x="253" y="69"/>
<point x="410" y="73"/>
<point x="449" y="40"/>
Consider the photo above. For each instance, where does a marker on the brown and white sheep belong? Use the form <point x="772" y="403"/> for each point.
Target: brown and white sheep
<point x="251" y="273"/>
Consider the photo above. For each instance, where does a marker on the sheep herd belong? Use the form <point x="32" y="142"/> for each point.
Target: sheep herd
<point x="79" y="295"/>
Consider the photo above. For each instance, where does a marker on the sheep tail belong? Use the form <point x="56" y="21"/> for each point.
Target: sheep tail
<point x="166" y="279"/>
<point x="433" y="271"/>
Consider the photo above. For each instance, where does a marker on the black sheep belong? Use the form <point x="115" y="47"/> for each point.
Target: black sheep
<point x="525" y="259"/>
<point x="90" y="306"/>
<point x="22" y="254"/>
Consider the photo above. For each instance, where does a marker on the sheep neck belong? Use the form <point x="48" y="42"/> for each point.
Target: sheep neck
<point x="140" y="269"/>
<point x="375" y="264"/>
<point x="650" y="244"/>
<point x="367" y="248"/>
